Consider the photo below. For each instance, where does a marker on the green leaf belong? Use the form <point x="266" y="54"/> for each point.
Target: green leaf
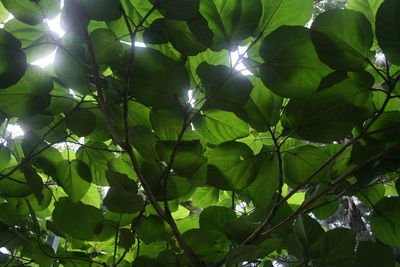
<point x="12" y="59"/>
<point x="217" y="126"/>
<point x="263" y="107"/>
<point x="32" y="12"/>
<point x="225" y="88"/>
<point x="150" y="229"/>
<point x="368" y="8"/>
<point x="107" y="48"/>
<point x="334" y="246"/>
<point x="15" y="186"/>
<point x="374" y="254"/>
<point x="81" y="122"/>
<point x="201" y="241"/>
<point x="34" y="181"/>
<point x="331" y="204"/>
<point x="44" y="255"/>
<point x="122" y="196"/>
<point x="262" y="190"/>
<point x="215" y="219"/>
<point x="176" y="187"/>
<point x="167" y="124"/>
<point x="35" y="40"/>
<point x="371" y="195"/>
<point x="277" y="13"/>
<point x="144" y="142"/>
<point x="170" y="86"/>
<point x="292" y="67"/>
<point x="230" y="20"/>
<point x="385" y="221"/>
<point x="5" y="157"/>
<point x="342" y="39"/>
<point x="231" y="165"/>
<point x="388" y="124"/>
<point x="306" y="232"/>
<point x="47" y="160"/>
<point x="74" y="177"/>
<point x="188" y="156"/>
<point x="84" y="227"/>
<point x="388" y="30"/>
<point x="188" y="37"/>
<point x="341" y="102"/>
<point x="123" y="201"/>
<point x="205" y="196"/>
<point x="92" y="197"/>
<point x="122" y="165"/>
<point x="300" y="162"/>
<point x="156" y="33"/>
<point x="68" y="63"/>
<point x="178" y="9"/>
<point x="139" y="115"/>
<point x="3" y="13"/>
<point x="100" y="9"/>
<point x="126" y="238"/>
<point x="95" y="156"/>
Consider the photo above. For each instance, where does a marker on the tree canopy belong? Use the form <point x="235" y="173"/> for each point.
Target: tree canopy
<point x="200" y="133"/>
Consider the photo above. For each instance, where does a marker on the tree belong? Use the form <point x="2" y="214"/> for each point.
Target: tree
<point x="171" y="155"/>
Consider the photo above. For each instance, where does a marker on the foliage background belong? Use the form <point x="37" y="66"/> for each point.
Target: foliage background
<point x="200" y="133"/>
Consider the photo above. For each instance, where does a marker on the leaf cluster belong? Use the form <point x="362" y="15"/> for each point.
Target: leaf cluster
<point x="198" y="132"/>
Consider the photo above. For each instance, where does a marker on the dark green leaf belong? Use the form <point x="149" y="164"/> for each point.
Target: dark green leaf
<point x="292" y="67"/>
<point x="300" y="162"/>
<point x="82" y="227"/>
<point x="374" y="254"/>
<point x="150" y="228"/>
<point x="342" y="101"/>
<point x="263" y="107"/>
<point x="277" y="13"/>
<point x="74" y="177"/>
<point x="12" y="59"/>
<point x="81" y="122"/>
<point x="68" y="63"/>
<point x="215" y="219"/>
<point x="95" y="156"/>
<point x="126" y="238"/>
<point x="231" y="165"/>
<point x="170" y="86"/>
<point x="201" y="241"/>
<point x="106" y="46"/>
<point x="343" y="39"/>
<point x="334" y="246"/>
<point x="262" y="190"/>
<point x="178" y="9"/>
<point x="385" y="221"/>
<point x="15" y="186"/>
<point x="32" y="12"/>
<point x="36" y="40"/>
<point x="217" y="126"/>
<point x="225" y="88"/>
<point x="100" y="9"/>
<point x="230" y="20"/>
<point x="368" y="8"/>
<point x="388" y="30"/>
<point x="187" y="37"/>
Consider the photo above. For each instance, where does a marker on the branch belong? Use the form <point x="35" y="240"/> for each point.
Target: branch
<point x="116" y="239"/>
<point x="275" y="207"/>
<point x="26" y="159"/>
<point x="301" y="209"/>
<point x="147" y="188"/>
<point x="342" y="178"/>
<point x="96" y="76"/>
